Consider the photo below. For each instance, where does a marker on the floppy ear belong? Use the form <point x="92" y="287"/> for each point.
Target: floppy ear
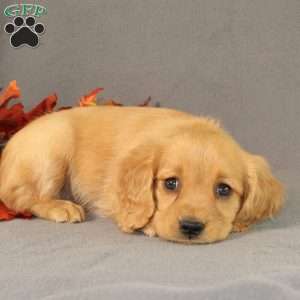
<point x="136" y="177"/>
<point x="263" y="194"/>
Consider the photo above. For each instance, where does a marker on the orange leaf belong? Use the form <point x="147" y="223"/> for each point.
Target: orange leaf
<point x="11" y="91"/>
<point x="90" y="99"/>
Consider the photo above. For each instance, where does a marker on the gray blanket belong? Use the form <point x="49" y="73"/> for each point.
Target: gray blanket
<point x="235" y="60"/>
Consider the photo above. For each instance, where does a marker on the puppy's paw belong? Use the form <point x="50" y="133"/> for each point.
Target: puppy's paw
<point x="129" y="222"/>
<point x="59" y="211"/>
<point x="68" y="212"/>
<point x="132" y="224"/>
<point x="149" y="230"/>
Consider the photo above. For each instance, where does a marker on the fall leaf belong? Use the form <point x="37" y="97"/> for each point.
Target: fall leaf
<point x="8" y="214"/>
<point x="11" y="120"/>
<point x="90" y="99"/>
<point x="46" y="106"/>
<point x="12" y="91"/>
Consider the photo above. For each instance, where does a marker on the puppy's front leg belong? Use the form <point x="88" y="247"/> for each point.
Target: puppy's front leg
<point x="58" y="211"/>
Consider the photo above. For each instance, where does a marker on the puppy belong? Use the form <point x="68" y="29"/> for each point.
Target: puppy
<point x="164" y="172"/>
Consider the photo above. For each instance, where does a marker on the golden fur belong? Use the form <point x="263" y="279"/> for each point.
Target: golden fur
<point x="115" y="160"/>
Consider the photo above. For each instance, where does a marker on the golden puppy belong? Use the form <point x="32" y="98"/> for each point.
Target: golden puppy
<point x="168" y="173"/>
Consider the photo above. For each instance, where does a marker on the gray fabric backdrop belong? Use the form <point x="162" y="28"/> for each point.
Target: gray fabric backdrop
<point x="235" y="60"/>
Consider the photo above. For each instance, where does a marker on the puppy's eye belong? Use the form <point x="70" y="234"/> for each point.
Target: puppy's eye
<point x="223" y="190"/>
<point x="171" y="183"/>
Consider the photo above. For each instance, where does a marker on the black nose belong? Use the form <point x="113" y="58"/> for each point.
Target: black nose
<point x="191" y="228"/>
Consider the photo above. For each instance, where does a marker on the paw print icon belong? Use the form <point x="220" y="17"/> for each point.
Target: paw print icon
<point x="24" y="32"/>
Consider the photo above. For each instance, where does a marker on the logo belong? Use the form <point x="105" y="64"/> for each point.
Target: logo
<point x="24" y="29"/>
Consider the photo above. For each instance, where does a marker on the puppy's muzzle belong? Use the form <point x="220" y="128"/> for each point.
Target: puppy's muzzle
<point x="191" y="228"/>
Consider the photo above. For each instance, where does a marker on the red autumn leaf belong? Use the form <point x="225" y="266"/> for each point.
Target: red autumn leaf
<point x="12" y="119"/>
<point x="90" y="98"/>
<point x="8" y="214"/>
<point x="5" y="213"/>
<point x="45" y="106"/>
<point x="7" y="125"/>
<point x="10" y="92"/>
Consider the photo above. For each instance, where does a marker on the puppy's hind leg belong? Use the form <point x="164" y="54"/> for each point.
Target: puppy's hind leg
<point x="35" y="188"/>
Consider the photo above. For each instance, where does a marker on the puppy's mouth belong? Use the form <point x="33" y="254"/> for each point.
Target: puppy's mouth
<point x="203" y="239"/>
<point x="185" y="240"/>
<point x="179" y="237"/>
<point x="208" y="235"/>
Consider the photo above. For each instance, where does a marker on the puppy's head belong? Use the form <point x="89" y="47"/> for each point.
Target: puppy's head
<point x="196" y="186"/>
